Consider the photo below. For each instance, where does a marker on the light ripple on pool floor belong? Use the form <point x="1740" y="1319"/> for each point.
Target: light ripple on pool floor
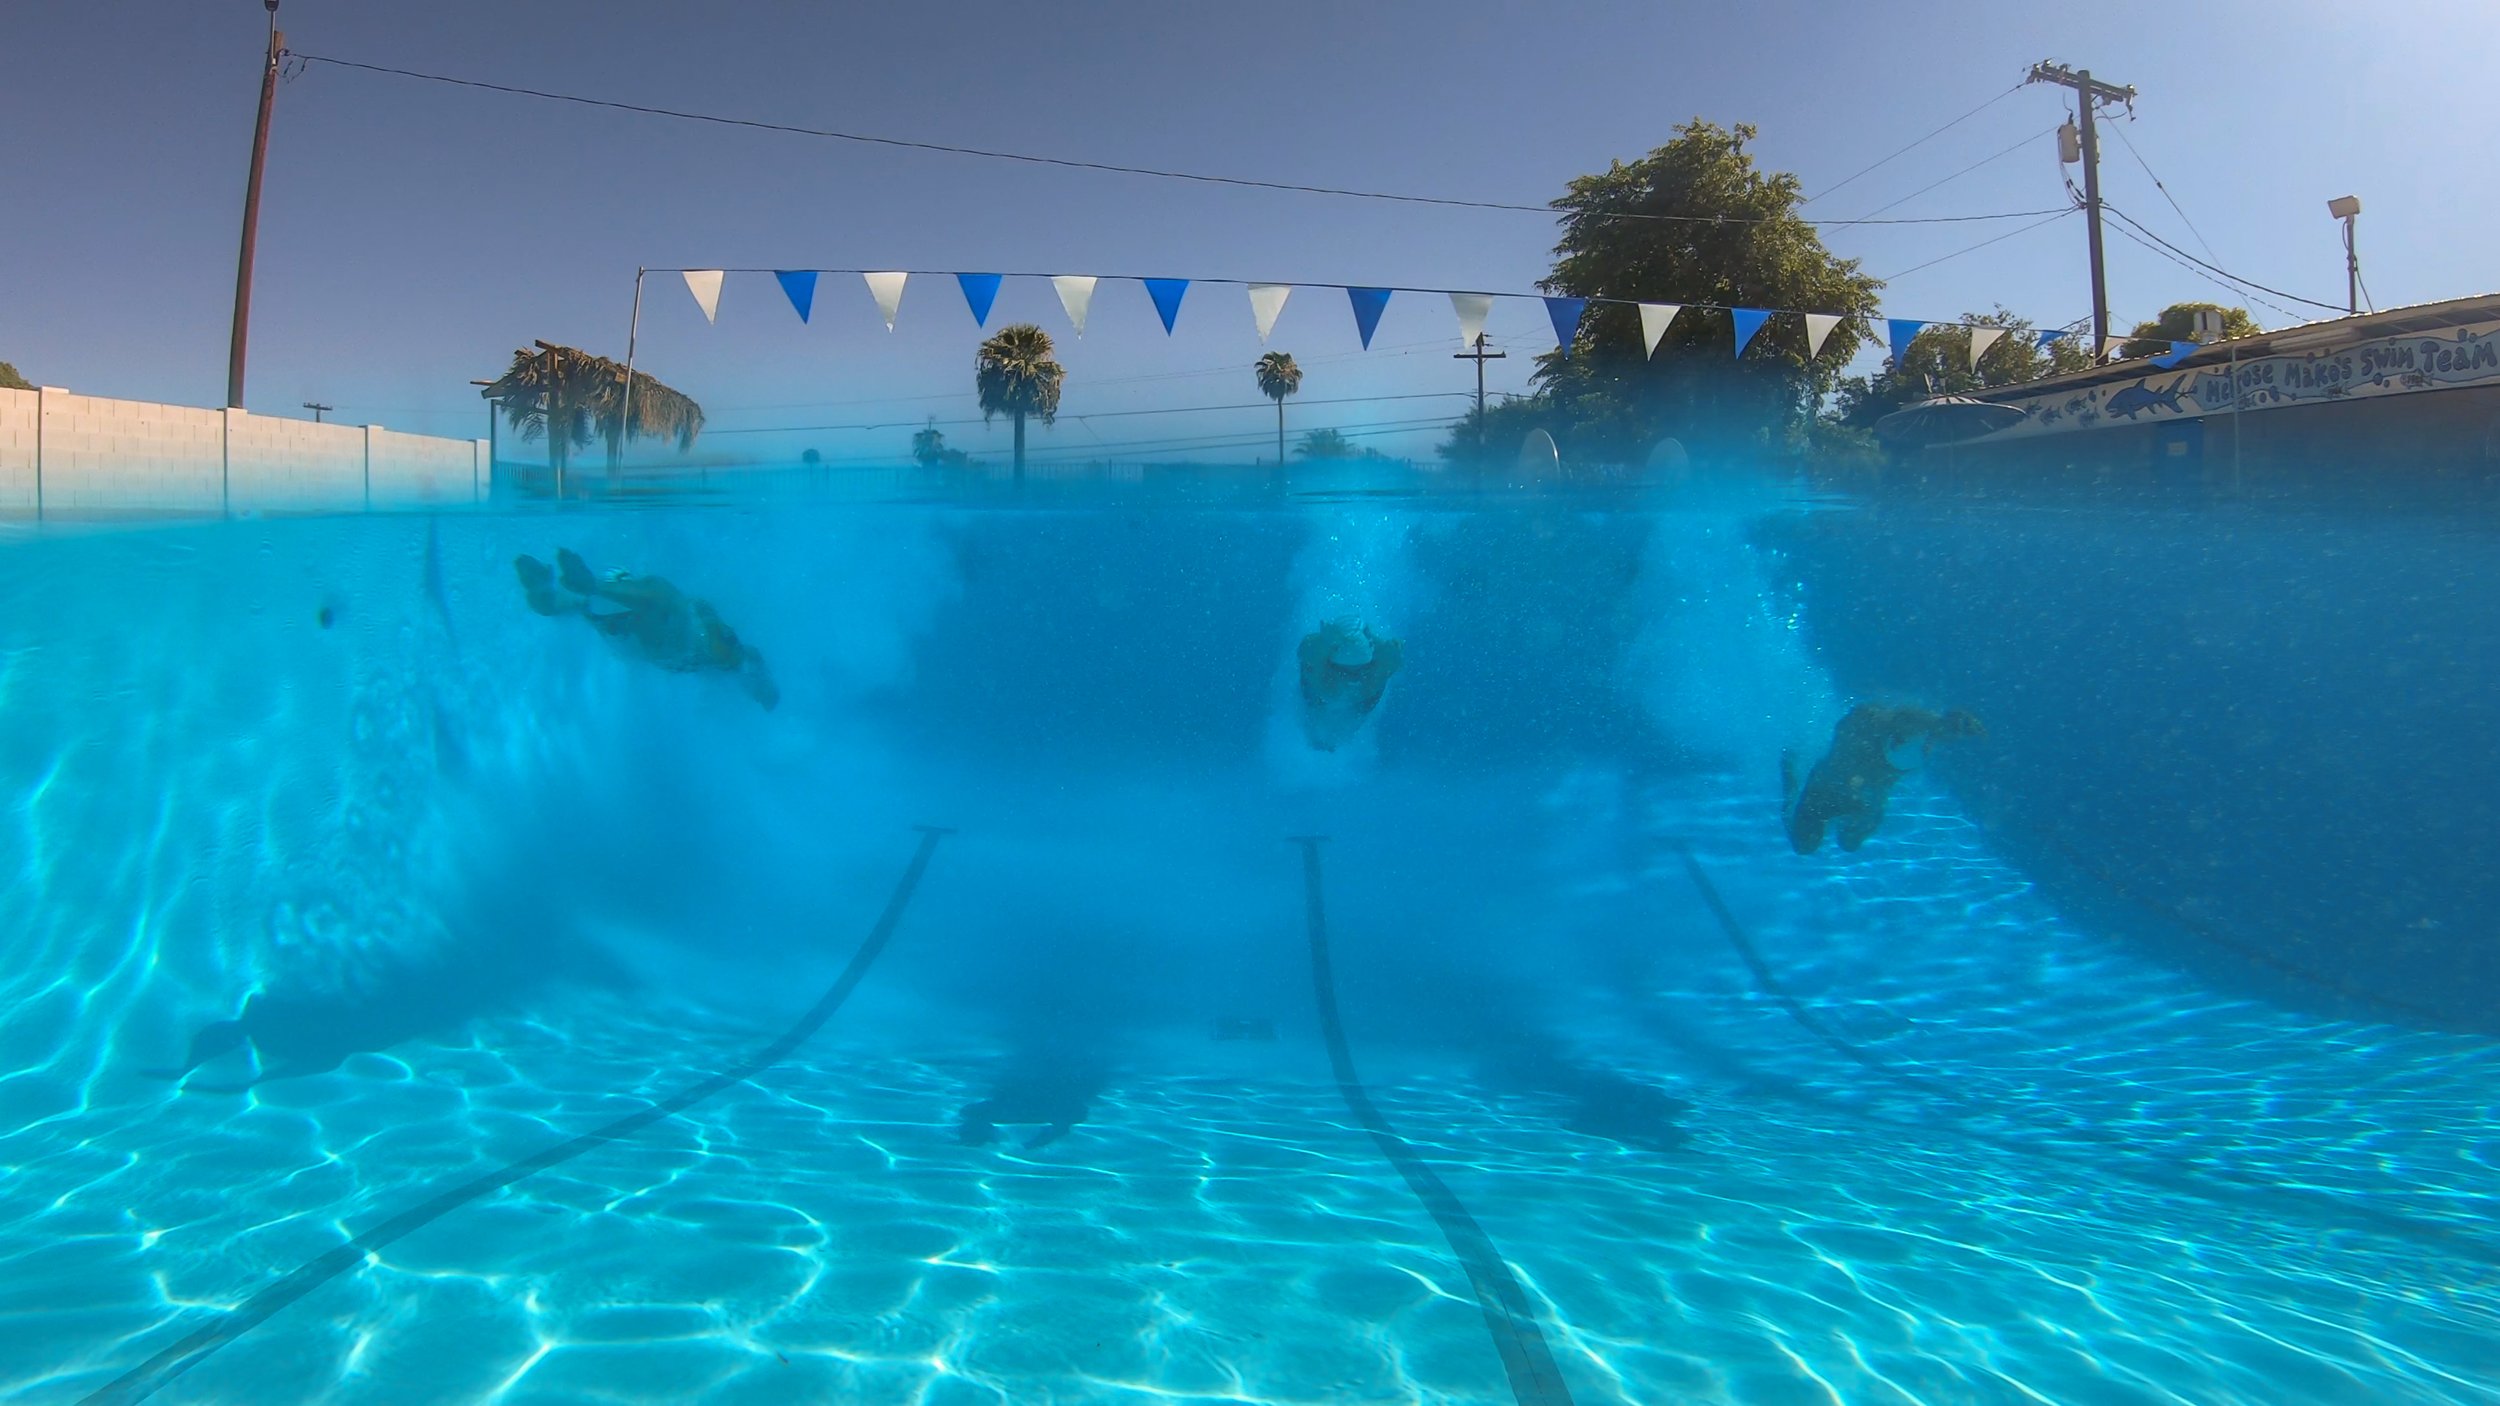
<point x="821" y="1235"/>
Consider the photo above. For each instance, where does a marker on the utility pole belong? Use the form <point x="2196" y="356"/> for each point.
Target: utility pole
<point x="2089" y="93"/>
<point x="1479" y="356"/>
<point x="316" y="407"/>
<point x="251" y="213"/>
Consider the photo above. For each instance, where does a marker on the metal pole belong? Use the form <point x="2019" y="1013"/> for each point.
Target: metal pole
<point x="2352" y="268"/>
<point x="624" y="411"/>
<point x="2092" y="211"/>
<point x="251" y="214"/>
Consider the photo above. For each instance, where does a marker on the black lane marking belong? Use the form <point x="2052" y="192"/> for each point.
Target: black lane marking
<point x="1509" y="1314"/>
<point x="2336" y="1210"/>
<point x="157" y="1372"/>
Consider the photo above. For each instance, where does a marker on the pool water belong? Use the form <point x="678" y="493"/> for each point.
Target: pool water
<point x="2144" y="1055"/>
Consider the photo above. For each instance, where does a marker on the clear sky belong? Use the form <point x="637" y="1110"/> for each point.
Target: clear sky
<point x="413" y="235"/>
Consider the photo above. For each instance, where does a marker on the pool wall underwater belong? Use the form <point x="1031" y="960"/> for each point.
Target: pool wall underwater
<point x="2139" y="1056"/>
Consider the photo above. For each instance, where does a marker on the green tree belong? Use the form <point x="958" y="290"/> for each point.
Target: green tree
<point x="929" y="451"/>
<point x="1693" y="222"/>
<point x="1016" y="376"/>
<point x="1325" y="444"/>
<point x="1278" y="378"/>
<point x="2177" y="323"/>
<point x="1937" y="362"/>
<point x="11" y="381"/>
<point x="573" y="398"/>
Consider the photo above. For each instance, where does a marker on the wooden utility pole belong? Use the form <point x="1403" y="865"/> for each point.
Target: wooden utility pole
<point x="2089" y="93"/>
<point x="251" y="213"/>
<point x="1479" y="356"/>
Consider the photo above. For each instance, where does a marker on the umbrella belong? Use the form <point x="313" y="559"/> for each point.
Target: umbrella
<point x="1944" y="419"/>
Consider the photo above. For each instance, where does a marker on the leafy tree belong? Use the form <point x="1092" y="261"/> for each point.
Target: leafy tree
<point x="1693" y="222"/>
<point x="11" y="381"/>
<point x="573" y="398"/>
<point x="929" y="451"/>
<point x="2177" y="323"/>
<point x="812" y="459"/>
<point x="1015" y="376"/>
<point x="1326" y="444"/>
<point x="1939" y="357"/>
<point x="1278" y="378"/>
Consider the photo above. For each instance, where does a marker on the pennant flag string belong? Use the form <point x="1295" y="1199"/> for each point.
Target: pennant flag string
<point x="1565" y="314"/>
<point x="1903" y="331"/>
<point x="1368" y="303"/>
<point x="2178" y="352"/>
<point x="1656" y="318"/>
<point x="801" y="288"/>
<point x="887" y="289"/>
<point x="980" y="291"/>
<point x="1266" y="301"/>
<point x="1819" y="327"/>
<point x="1748" y="322"/>
<point x="705" y="285"/>
<point x="1076" y="294"/>
<point x="1167" y="295"/>
<point x="1982" y="338"/>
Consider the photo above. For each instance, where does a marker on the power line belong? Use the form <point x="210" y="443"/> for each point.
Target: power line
<point x="1983" y="161"/>
<point x="1973" y="248"/>
<point x="2225" y="273"/>
<point x="2234" y="289"/>
<point x="1903" y="151"/>
<point x="1072" y="163"/>
<point x="2165" y="191"/>
<point x="1098" y="414"/>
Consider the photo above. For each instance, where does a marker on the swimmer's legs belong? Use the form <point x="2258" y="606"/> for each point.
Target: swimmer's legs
<point x="538" y="584"/>
<point x="1857" y="827"/>
<point x="576" y="573"/>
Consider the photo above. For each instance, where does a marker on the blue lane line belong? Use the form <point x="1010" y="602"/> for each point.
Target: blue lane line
<point x="1509" y="1314"/>
<point x="153" y="1375"/>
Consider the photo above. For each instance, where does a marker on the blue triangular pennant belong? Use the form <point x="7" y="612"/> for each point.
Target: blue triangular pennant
<point x="1368" y="305"/>
<point x="2041" y="342"/>
<point x="1904" y="331"/>
<point x="1748" y="322"/>
<point x="801" y="286"/>
<point x="1167" y="295"/>
<point x="1565" y="313"/>
<point x="980" y="290"/>
<point x="2178" y="353"/>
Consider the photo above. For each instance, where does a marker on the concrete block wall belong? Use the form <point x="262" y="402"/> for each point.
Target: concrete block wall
<point x="279" y="465"/>
<point x="411" y="470"/>
<point x="78" y="455"/>
<point x="18" y="412"/>
<point x="104" y="455"/>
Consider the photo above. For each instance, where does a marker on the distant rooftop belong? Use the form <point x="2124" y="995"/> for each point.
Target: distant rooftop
<point x="2300" y="339"/>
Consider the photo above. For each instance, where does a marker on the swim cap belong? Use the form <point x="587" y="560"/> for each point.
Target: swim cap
<point x="1352" y="649"/>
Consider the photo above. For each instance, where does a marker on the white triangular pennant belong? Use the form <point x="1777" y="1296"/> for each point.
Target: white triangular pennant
<point x="705" y="285"/>
<point x="1819" y="325"/>
<point x="887" y="289"/>
<point x="1982" y="338"/>
<point x="1267" y="300"/>
<point x="2110" y="346"/>
<point x="1472" y="310"/>
<point x="1076" y="294"/>
<point x="1656" y="318"/>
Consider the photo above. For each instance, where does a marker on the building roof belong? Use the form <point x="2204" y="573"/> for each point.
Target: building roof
<point x="2299" y="339"/>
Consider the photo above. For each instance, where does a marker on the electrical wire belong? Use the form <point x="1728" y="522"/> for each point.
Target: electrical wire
<point x="1903" y="151"/>
<point x="1072" y="163"/>
<point x="1973" y="248"/>
<point x="1983" y="161"/>
<point x="2212" y="268"/>
<point x="2165" y="190"/>
<point x="2233" y="289"/>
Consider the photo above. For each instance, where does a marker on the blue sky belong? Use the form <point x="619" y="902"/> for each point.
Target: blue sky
<point x="413" y="235"/>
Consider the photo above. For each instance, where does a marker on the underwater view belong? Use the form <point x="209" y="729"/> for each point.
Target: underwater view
<point x="1709" y="941"/>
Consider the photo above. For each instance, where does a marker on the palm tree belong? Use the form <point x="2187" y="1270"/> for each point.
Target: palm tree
<point x="1015" y="376"/>
<point x="1278" y="378"/>
<point x="573" y="398"/>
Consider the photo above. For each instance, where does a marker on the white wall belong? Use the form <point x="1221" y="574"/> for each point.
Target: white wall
<point x="77" y="455"/>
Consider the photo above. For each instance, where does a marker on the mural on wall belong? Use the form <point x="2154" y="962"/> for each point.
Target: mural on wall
<point x="2455" y="356"/>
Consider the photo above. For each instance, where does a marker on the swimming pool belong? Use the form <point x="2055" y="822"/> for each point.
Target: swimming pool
<point x="1022" y="1009"/>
